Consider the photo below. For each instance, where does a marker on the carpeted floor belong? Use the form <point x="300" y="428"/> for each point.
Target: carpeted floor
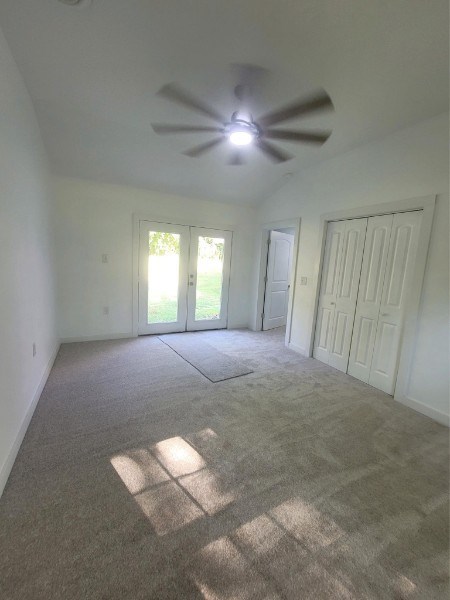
<point x="140" y="479"/>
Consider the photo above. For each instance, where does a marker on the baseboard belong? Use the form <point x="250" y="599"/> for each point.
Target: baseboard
<point x="298" y="349"/>
<point x="97" y="338"/>
<point x="9" y="462"/>
<point x="433" y="413"/>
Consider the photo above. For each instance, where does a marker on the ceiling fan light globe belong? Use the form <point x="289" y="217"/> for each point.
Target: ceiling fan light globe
<point x="241" y="138"/>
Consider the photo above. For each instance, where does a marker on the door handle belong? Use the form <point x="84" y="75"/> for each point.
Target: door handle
<point x="191" y="283"/>
<point x="384" y="314"/>
<point x="332" y="303"/>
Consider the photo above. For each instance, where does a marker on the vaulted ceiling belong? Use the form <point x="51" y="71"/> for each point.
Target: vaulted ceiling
<point x="93" y="72"/>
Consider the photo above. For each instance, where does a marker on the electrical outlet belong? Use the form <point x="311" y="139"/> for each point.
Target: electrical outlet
<point x="106" y="310"/>
<point x="104" y="258"/>
<point x="303" y="280"/>
<point x="34" y="349"/>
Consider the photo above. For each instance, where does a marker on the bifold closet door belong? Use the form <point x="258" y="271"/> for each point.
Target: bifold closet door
<point x="328" y="290"/>
<point x="339" y="290"/>
<point x="369" y="296"/>
<point x="388" y="266"/>
<point x="399" y="271"/>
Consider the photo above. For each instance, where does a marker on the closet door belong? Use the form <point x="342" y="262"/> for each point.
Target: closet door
<point x="399" y="270"/>
<point x="347" y="292"/>
<point x="328" y="290"/>
<point x="369" y="296"/>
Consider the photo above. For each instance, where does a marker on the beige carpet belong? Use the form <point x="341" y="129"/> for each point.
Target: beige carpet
<point x="140" y="479"/>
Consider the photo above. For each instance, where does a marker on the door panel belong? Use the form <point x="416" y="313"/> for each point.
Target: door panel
<point x="328" y="290"/>
<point x="365" y="333"/>
<point x="347" y="292"/>
<point x="333" y="250"/>
<point x="369" y="296"/>
<point x="279" y="263"/>
<point x="209" y="274"/>
<point x="323" y="331"/>
<point x="163" y="257"/>
<point x="399" y="270"/>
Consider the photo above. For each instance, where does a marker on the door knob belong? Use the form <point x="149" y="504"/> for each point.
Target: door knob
<point x="191" y="283"/>
<point x="332" y="303"/>
<point x="384" y="314"/>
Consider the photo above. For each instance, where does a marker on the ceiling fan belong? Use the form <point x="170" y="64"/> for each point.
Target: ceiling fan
<point x="241" y="129"/>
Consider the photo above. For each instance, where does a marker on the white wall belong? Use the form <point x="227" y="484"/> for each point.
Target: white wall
<point x="410" y="163"/>
<point x="27" y="309"/>
<point x="94" y="219"/>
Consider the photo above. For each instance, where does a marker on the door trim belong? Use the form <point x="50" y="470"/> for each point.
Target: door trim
<point x="406" y="351"/>
<point x="136" y="218"/>
<point x="263" y="253"/>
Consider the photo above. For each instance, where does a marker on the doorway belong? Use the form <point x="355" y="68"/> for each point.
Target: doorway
<point x="278" y="277"/>
<point x="291" y="226"/>
<point x="183" y="278"/>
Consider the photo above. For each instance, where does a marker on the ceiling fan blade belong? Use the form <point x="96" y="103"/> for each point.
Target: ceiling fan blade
<point x="312" y="137"/>
<point x="237" y="158"/>
<point x="175" y="94"/>
<point x="314" y="103"/>
<point x="275" y="154"/>
<point x="163" y="129"/>
<point x="198" y="150"/>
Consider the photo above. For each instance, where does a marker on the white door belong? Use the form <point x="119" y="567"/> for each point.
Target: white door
<point x="278" y="276"/>
<point x="163" y="265"/>
<point x="344" y="249"/>
<point x="369" y="296"/>
<point x="209" y="275"/>
<point x="328" y="290"/>
<point x="183" y="278"/>
<point x="347" y="292"/>
<point x="399" y="270"/>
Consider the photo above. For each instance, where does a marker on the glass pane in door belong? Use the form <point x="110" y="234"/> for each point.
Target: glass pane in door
<point x="163" y="276"/>
<point x="209" y="278"/>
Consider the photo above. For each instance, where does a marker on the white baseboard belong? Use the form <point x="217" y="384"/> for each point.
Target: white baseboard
<point x="433" y="413"/>
<point x="298" y="349"/>
<point x="98" y="338"/>
<point x="12" y="454"/>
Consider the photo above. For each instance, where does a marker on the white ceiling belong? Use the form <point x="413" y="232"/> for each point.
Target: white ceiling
<point x="93" y="73"/>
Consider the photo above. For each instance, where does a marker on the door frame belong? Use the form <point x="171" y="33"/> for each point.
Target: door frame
<point x="406" y="351"/>
<point x="136" y="218"/>
<point x="265" y="230"/>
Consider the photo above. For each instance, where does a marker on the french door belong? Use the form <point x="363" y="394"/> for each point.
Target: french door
<point x="183" y="278"/>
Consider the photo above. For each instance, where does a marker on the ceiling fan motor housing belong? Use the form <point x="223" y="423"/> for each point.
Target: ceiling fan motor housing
<point x="240" y="124"/>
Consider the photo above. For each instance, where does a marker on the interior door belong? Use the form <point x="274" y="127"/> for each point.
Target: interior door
<point x="279" y="264"/>
<point x="163" y="264"/>
<point x="347" y="292"/>
<point x="399" y="269"/>
<point x="209" y="275"/>
<point x="369" y="296"/>
<point x="328" y="290"/>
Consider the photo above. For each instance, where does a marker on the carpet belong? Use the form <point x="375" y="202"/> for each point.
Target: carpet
<point x="140" y="479"/>
<point x="212" y="363"/>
